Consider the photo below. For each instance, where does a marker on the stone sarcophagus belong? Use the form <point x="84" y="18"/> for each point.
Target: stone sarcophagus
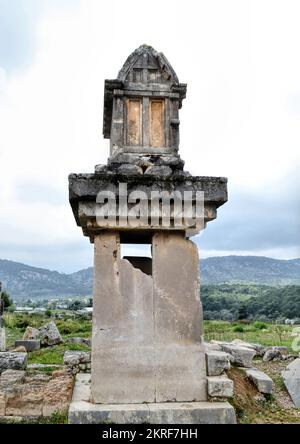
<point x="147" y="322"/>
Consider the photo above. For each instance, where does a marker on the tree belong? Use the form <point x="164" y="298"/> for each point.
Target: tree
<point x="48" y="313"/>
<point x="5" y="297"/>
<point x="242" y="312"/>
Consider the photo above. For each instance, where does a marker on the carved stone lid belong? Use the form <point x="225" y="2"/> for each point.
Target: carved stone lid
<point x="146" y="57"/>
<point x="144" y="70"/>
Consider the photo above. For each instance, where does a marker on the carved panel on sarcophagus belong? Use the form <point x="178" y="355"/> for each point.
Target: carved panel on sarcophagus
<point x="157" y="125"/>
<point x="134" y="122"/>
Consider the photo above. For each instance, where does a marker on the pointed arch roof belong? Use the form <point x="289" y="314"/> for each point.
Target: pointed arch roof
<point x="152" y="55"/>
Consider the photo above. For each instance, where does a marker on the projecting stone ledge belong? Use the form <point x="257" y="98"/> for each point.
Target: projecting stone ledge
<point x="87" y="186"/>
<point x="84" y="188"/>
<point x="84" y="412"/>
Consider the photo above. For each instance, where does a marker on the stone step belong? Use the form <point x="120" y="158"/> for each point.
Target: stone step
<point x="217" y="362"/>
<point x="220" y="386"/>
<point x="84" y="412"/>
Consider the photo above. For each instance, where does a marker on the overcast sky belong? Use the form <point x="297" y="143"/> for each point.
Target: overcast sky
<point x="241" y="117"/>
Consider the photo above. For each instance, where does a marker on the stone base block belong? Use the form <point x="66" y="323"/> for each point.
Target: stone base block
<point x="82" y="411"/>
<point x="29" y="344"/>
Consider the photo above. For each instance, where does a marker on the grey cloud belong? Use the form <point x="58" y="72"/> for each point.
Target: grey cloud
<point x="264" y="219"/>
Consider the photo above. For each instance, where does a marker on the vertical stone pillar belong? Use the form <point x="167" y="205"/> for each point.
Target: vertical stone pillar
<point x="179" y="354"/>
<point x="122" y="343"/>
<point x="2" y="338"/>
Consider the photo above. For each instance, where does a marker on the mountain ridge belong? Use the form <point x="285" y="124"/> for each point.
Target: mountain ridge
<point x="26" y="281"/>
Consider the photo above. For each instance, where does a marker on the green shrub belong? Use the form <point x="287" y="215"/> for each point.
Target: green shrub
<point x="22" y="321"/>
<point x="71" y="326"/>
<point x="238" y="329"/>
<point x="260" y="325"/>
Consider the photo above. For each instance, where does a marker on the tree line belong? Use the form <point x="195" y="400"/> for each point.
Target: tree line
<point x="254" y="302"/>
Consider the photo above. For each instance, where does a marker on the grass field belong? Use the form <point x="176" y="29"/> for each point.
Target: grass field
<point x="256" y="332"/>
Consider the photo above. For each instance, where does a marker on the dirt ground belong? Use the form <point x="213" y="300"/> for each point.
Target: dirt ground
<point x="253" y="407"/>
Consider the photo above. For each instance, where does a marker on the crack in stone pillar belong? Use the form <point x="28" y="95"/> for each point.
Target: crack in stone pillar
<point x="122" y="345"/>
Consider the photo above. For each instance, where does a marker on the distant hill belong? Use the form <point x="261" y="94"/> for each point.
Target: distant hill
<point x="250" y="269"/>
<point x="24" y="281"/>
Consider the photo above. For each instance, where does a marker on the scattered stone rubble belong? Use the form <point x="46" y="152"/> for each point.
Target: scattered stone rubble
<point x="221" y="355"/>
<point x="29" y="345"/>
<point x="46" y="335"/>
<point x="77" y="361"/>
<point x="49" y="334"/>
<point x="39" y="395"/>
<point x="12" y="361"/>
<point x="81" y="341"/>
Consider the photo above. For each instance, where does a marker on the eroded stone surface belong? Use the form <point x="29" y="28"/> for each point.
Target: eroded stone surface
<point x="49" y="334"/>
<point x="82" y="411"/>
<point x="291" y="377"/>
<point x="217" y="362"/>
<point x="31" y="333"/>
<point x="123" y="347"/>
<point x="9" y="377"/>
<point x="263" y="382"/>
<point x="141" y="354"/>
<point x="83" y="341"/>
<point x="76" y="357"/>
<point x="2" y="338"/>
<point x="242" y="356"/>
<point x="272" y="354"/>
<point x="29" y="344"/>
<point x="179" y="352"/>
<point x="219" y="386"/>
<point x="14" y="361"/>
<point x="34" y="396"/>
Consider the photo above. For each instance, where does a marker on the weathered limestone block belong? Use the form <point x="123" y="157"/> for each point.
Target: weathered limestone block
<point x="20" y="349"/>
<point x="82" y="411"/>
<point x="242" y="356"/>
<point x="291" y="377"/>
<point x="129" y="169"/>
<point x="9" y="377"/>
<point x="31" y="333"/>
<point x="283" y="350"/>
<point x="180" y="373"/>
<point x="57" y="394"/>
<point x="82" y="341"/>
<point x="24" y="400"/>
<point x="159" y="171"/>
<point x="29" y="344"/>
<point x="260" y="349"/>
<point x="217" y="362"/>
<point x="212" y="346"/>
<point x="76" y="357"/>
<point x="123" y="332"/>
<point x="272" y="354"/>
<point x="2" y="339"/>
<point x="220" y="386"/>
<point x="2" y="403"/>
<point x="263" y="382"/>
<point x="49" y="334"/>
<point x="77" y="361"/>
<point x="14" y="361"/>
